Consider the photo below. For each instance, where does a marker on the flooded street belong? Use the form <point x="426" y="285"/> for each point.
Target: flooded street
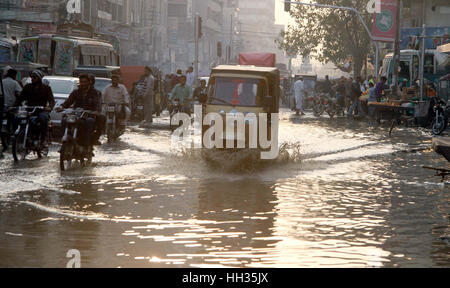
<point x="352" y="197"/>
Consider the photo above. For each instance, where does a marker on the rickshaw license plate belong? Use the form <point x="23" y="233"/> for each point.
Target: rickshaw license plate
<point x="112" y="109"/>
<point x="140" y="107"/>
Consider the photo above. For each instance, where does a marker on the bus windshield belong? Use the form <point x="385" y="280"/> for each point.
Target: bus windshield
<point x="245" y="92"/>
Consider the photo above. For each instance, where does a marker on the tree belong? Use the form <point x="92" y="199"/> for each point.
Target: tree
<point x="329" y="35"/>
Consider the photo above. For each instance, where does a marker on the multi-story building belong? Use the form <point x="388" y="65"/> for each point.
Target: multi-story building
<point x="20" y="18"/>
<point x="435" y="14"/>
<point x="181" y="32"/>
<point x="138" y="25"/>
<point x="257" y="27"/>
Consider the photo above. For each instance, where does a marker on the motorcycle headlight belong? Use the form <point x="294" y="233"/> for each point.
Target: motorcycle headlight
<point x="71" y="119"/>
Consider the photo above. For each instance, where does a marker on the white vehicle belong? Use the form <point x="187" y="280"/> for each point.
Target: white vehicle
<point x="62" y="87"/>
<point x="102" y="83"/>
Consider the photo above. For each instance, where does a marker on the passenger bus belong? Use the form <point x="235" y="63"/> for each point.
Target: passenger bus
<point x="435" y="66"/>
<point x="8" y="49"/>
<point x="64" y="54"/>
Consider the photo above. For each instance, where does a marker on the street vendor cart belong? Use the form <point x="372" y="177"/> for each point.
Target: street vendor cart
<point x="395" y="111"/>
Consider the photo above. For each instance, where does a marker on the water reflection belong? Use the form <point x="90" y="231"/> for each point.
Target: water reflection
<point x="357" y="198"/>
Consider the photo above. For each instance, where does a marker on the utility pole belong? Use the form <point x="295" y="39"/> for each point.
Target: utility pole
<point x="198" y="32"/>
<point x="422" y="62"/>
<point x="231" y="39"/>
<point x="397" y="50"/>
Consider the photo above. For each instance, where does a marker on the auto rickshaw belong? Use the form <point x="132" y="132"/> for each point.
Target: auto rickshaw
<point x="247" y="100"/>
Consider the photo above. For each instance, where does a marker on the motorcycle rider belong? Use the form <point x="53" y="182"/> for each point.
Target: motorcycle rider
<point x="38" y="94"/>
<point x="182" y="92"/>
<point x="356" y="93"/>
<point x="11" y="89"/>
<point x="200" y="93"/>
<point x="116" y="93"/>
<point x="86" y="98"/>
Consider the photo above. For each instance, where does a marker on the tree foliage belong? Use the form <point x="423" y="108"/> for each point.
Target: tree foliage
<point x="329" y="35"/>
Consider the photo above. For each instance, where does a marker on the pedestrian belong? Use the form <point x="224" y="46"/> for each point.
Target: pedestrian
<point x="341" y="92"/>
<point x="190" y="77"/>
<point x="299" y="90"/>
<point x="379" y="88"/>
<point x="372" y="98"/>
<point x="355" y="94"/>
<point x="148" y="91"/>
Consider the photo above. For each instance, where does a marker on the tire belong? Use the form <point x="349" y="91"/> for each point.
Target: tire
<point x="65" y="153"/>
<point x="110" y="133"/>
<point x="19" y="152"/>
<point x="331" y="113"/>
<point x="439" y="125"/>
<point x="318" y="110"/>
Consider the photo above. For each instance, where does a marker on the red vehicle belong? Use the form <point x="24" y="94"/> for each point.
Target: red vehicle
<point x="258" y="59"/>
<point x="131" y="74"/>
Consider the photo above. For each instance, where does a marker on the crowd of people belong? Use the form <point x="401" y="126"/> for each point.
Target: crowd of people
<point x="155" y="92"/>
<point x="351" y="94"/>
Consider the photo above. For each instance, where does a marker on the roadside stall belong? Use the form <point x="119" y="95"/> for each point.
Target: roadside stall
<point x="398" y="111"/>
<point x="444" y="88"/>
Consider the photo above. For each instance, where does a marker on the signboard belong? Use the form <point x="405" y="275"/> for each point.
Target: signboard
<point x="385" y="22"/>
<point x="63" y="58"/>
<point x="28" y="51"/>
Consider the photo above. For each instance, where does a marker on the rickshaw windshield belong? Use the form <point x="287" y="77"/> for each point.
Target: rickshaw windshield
<point x="245" y="92"/>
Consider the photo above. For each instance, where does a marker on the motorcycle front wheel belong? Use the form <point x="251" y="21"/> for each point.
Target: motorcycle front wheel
<point x="65" y="156"/>
<point x="19" y="151"/>
<point x="439" y="125"/>
<point x="318" y="110"/>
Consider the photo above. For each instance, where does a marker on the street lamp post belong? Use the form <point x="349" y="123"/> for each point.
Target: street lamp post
<point x="348" y="9"/>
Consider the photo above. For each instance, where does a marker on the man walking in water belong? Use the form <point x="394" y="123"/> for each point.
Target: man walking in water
<point x="148" y="92"/>
<point x="299" y="91"/>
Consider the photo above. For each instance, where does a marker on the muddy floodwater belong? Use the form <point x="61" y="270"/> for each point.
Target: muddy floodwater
<point x="345" y="194"/>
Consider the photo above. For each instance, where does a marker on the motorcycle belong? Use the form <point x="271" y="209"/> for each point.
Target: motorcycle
<point x="26" y="138"/>
<point x="174" y="108"/>
<point x="5" y="133"/>
<point x="113" y="128"/>
<point x="308" y="102"/>
<point x="138" y="109"/>
<point x="440" y="117"/>
<point x="319" y="105"/>
<point x="71" y="150"/>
